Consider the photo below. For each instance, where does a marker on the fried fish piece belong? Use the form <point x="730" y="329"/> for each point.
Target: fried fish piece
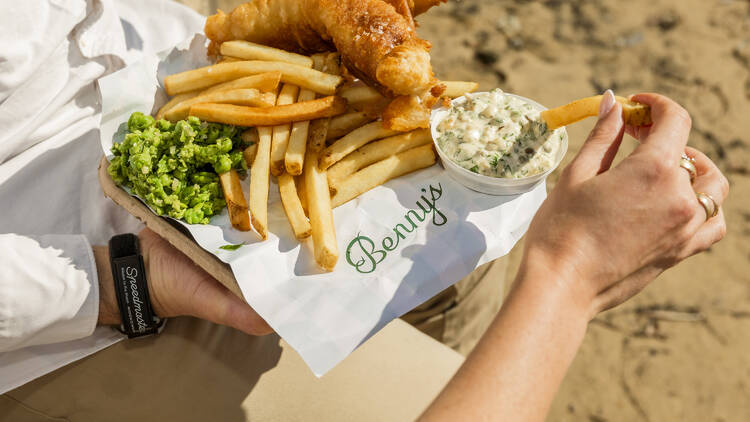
<point x="411" y="8"/>
<point x="378" y="44"/>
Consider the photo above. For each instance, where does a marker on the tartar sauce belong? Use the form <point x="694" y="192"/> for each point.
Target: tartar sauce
<point x="498" y="135"/>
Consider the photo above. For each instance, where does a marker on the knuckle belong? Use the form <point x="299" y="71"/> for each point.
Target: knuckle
<point x="598" y="136"/>
<point x="721" y="231"/>
<point x="655" y="170"/>
<point x="684" y="235"/>
<point x="683" y="208"/>
<point x="724" y="186"/>
<point x="693" y="152"/>
<point x="682" y="115"/>
<point x="663" y="167"/>
<point x="604" y="131"/>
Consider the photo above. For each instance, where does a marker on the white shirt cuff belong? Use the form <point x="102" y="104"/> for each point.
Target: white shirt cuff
<point x="49" y="290"/>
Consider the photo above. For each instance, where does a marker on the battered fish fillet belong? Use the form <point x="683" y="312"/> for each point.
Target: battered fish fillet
<point x="413" y="7"/>
<point x="376" y="38"/>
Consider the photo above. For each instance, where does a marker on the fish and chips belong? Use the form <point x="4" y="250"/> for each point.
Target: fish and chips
<point x="330" y="97"/>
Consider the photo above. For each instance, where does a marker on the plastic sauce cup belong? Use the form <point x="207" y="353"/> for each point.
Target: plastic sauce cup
<point x="487" y="184"/>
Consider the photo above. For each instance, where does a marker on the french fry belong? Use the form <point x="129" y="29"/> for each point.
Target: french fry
<point x="201" y="78"/>
<point x="314" y="140"/>
<point x="293" y="207"/>
<point x="317" y="195"/>
<point x="331" y="64"/>
<point x="251" y="51"/>
<point x="280" y="140"/>
<point x="352" y="141"/>
<point x="250" y="136"/>
<point x="374" y="152"/>
<point x="383" y="171"/>
<point x="635" y="114"/>
<point x="228" y="59"/>
<point x="236" y="203"/>
<point x="295" y="152"/>
<point x="249" y="154"/>
<point x="319" y="204"/>
<point x="345" y="123"/>
<point x="455" y="89"/>
<point x="246" y="97"/>
<point x="301" y="191"/>
<point x="270" y="116"/>
<point x="259" y="180"/>
<point x="359" y="94"/>
<point x="174" y="101"/>
<point x="264" y="82"/>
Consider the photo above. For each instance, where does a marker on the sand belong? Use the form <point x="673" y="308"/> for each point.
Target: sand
<point x="680" y="351"/>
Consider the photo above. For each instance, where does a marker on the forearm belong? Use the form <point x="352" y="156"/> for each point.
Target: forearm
<point x="516" y="369"/>
<point x="109" y="313"/>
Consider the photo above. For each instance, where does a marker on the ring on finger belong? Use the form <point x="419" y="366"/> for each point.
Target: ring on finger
<point x="709" y="204"/>
<point x="688" y="164"/>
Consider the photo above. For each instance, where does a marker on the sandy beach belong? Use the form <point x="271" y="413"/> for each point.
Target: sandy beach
<point x="678" y="351"/>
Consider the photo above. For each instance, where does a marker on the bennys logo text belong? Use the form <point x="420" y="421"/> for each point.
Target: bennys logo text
<point x="364" y="254"/>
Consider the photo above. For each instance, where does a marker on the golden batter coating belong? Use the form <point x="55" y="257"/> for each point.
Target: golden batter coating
<point x="378" y="43"/>
<point x="414" y="7"/>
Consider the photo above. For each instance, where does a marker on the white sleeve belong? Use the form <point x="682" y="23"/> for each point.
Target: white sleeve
<point x="49" y="290"/>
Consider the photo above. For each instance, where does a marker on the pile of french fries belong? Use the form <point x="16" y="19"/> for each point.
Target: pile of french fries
<point x="317" y="133"/>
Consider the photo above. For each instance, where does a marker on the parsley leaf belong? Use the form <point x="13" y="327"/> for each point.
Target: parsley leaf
<point x="231" y="247"/>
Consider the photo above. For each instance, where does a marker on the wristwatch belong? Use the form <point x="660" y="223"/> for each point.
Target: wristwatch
<point x="131" y="287"/>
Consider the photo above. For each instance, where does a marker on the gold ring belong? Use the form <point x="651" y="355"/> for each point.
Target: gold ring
<point x="689" y="164"/>
<point x="709" y="205"/>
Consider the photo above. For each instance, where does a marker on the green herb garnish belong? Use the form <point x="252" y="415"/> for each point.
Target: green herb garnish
<point x="494" y="161"/>
<point x="231" y="247"/>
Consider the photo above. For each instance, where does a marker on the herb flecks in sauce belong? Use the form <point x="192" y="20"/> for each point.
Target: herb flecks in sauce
<point x="498" y="135"/>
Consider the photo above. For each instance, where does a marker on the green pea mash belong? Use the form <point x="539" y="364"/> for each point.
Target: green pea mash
<point x="174" y="167"/>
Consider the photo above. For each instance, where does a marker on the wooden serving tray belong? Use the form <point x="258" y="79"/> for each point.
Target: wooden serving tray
<point x="170" y="230"/>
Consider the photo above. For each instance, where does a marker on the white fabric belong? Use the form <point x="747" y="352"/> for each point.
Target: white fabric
<point x="52" y="53"/>
<point x="53" y="269"/>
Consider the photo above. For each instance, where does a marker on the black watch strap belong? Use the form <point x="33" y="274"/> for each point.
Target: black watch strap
<point x="131" y="287"/>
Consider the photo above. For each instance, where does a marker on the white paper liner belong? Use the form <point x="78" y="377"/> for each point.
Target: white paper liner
<point x="325" y="316"/>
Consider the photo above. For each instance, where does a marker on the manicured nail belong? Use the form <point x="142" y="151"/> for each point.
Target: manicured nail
<point x="608" y="101"/>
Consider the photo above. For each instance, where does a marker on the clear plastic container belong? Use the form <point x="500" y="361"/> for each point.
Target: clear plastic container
<point x="487" y="184"/>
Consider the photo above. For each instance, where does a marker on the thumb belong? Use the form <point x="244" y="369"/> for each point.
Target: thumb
<point x="213" y="302"/>
<point x="600" y="148"/>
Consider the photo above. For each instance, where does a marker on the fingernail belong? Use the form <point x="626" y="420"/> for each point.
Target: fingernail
<point x="608" y="101"/>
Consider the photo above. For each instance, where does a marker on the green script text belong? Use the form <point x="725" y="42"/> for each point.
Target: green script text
<point x="364" y="254"/>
